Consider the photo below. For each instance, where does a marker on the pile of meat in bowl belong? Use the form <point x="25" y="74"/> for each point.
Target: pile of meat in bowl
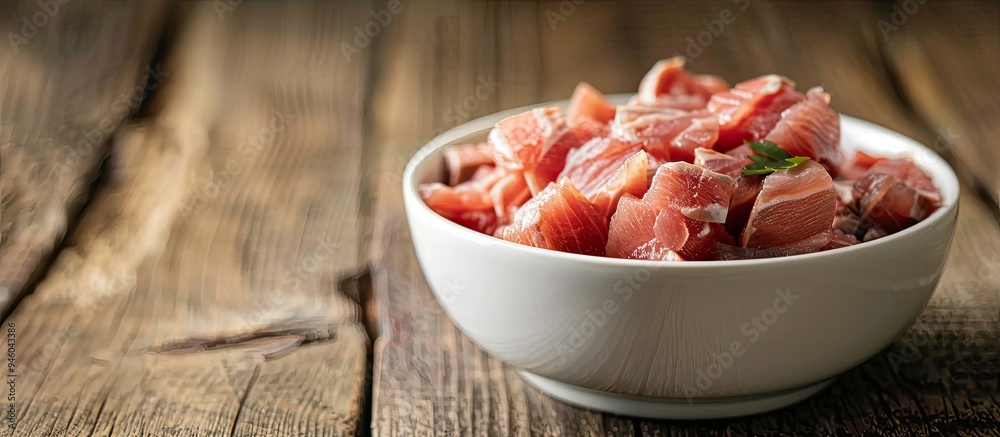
<point x="689" y="169"/>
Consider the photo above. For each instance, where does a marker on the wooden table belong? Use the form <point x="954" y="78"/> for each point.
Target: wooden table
<point x="201" y="202"/>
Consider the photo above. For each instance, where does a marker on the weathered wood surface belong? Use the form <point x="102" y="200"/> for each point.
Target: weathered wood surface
<point x="65" y="86"/>
<point x="959" y="100"/>
<point x="941" y="377"/>
<point x="199" y="295"/>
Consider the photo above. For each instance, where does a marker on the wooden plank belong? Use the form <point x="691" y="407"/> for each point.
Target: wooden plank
<point x="62" y="93"/>
<point x="429" y="377"/>
<point x="211" y="256"/>
<point x="946" y="55"/>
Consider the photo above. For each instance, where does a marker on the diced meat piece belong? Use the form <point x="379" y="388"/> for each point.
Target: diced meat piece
<point x="671" y="229"/>
<point x="684" y="207"/>
<point x="720" y="162"/>
<point x="586" y="129"/>
<point x="630" y="178"/>
<point x="702" y="238"/>
<point x="840" y="239"/>
<point x="559" y="218"/>
<point x="593" y="165"/>
<point x="701" y="133"/>
<point x="741" y="151"/>
<point x="508" y="194"/>
<point x="711" y="84"/>
<point x="465" y="204"/>
<point x="864" y="160"/>
<point x="654" y="165"/>
<point x="697" y="197"/>
<point x="749" y="111"/>
<point x="667" y="85"/>
<point x="795" y="209"/>
<point x="486" y="176"/>
<point x="695" y="192"/>
<point x="811" y="128"/>
<point x="874" y="233"/>
<point x="630" y="233"/>
<point x="912" y="176"/>
<point x="864" y="164"/>
<point x="588" y="103"/>
<point x="438" y="195"/>
<point x="845" y="192"/>
<point x="884" y="201"/>
<point x="845" y="220"/>
<point x="463" y="160"/>
<point x="857" y="166"/>
<point x="605" y="169"/>
<point x="534" y="143"/>
<point x="589" y="114"/>
<point x="623" y="243"/>
<point x="665" y="134"/>
<point x="744" y="196"/>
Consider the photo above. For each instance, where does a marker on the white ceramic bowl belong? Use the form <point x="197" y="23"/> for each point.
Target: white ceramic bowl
<point x="681" y="340"/>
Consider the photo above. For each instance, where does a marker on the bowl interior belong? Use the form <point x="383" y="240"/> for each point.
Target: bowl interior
<point x="427" y="165"/>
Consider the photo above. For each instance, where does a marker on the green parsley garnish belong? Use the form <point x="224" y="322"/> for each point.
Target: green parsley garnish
<point x="770" y="158"/>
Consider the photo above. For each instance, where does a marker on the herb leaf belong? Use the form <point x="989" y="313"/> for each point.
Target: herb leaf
<point x="770" y="158"/>
<point x="797" y="160"/>
<point x="768" y="149"/>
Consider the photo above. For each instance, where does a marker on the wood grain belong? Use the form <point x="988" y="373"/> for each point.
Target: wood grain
<point x="217" y="242"/>
<point x="199" y="290"/>
<point x="959" y="100"/>
<point x="64" y="88"/>
<point x="429" y="377"/>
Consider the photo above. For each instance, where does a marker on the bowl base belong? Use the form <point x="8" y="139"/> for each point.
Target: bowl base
<point x="673" y="408"/>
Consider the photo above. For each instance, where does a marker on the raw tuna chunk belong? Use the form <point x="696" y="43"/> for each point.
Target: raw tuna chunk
<point x="695" y="192"/>
<point x="720" y="162"/>
<point x="465" y="159"/>
<point x="697" y="197"/>
<point x="863" y="164"/>
<point x="508" y="193"/>
<point x="864" y="160"/>
<point x="912" y="176"/>
<point x="858" y="166"/>
<point x="631" y="235"/>
<point x="667" y="85"/>
<point x="744" y="196"/>
<point x="686" y="205"/>
<point x="588" y="102"/>
<point x="846" y="219"/>
<point x="589" y="114"/>
<point x="559" y="218"/>
<point x="750" y="110"/>
<point x="665" y="134"/>
<point x="630" y="178"/>
<point x="795" y="209"/>
<point x="642" y="232"/>
<point x="840" y="239"/>
<point x="534" y="143"/>
<point x="468" y="204"/>
<point x="597" y="168"/>
<point x="811" y="128"/>
<point x="741" y="151"/>
<point x="887" y="204"/>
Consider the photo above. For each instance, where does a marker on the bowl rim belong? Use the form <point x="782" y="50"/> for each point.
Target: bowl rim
<point x="941" y="179"/>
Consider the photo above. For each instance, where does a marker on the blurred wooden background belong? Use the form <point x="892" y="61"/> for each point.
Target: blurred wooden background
<point x="202" y="200"/>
